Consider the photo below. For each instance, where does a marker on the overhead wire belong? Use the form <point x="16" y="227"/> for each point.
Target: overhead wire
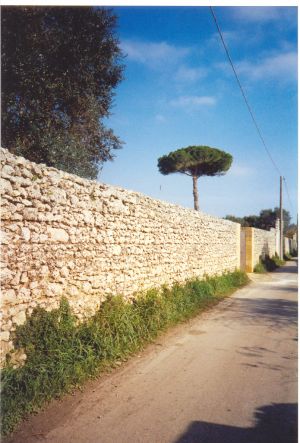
<point x="247" y="102"/>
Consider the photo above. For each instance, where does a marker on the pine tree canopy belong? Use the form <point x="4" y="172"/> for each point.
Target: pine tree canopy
<point x="195" y="161"/>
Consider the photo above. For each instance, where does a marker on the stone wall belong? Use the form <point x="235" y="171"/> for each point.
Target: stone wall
<point x="256" y="244"/>
<point x="63" y="235"/>
<point x="290" y="244"/>
<point x="264" y="244"/>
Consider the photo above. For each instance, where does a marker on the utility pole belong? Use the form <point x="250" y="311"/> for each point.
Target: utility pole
<point x="281" y="222"/>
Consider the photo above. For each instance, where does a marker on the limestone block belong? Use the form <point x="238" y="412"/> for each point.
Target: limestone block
<point x="19" y="318"/>
<point x="86" y="287"/>
<point x="30" y="214"/>
<point x="54" y="176"/>
<point x="20" y="182"/>
<point x="24" y="294"/>
<point x="25" y="233"/>
<point x="4" y="336"/>
<point x="16" y="280"/>
<point x="88" y="217"/>
<point x="5" y="348"/>
<point x="42" y="238"/>
<point x="44" y="270"/>
<point x="24" y="277"/>
<point x="4" y="237"/>
<point x="7" y="171"/>
<point x="64" y="272"/>
<point x="117" y="206"/>
<point x="74" y="200"/>
<point x="5" y="186"/>
<point x="6" y="275"/>
<point x="33" y="284"/>
<point x="34" y="193"/>
<point x="8" y="296"/>
<point x="54" y="289"/>
<point x="73" y="291"/>
<point x="58" y="234"/>
<point x="26" y="173"/>
<point x="116" y="249"/>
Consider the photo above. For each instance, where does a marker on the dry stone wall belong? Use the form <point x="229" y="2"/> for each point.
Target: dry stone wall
<point x="264" y="244"/>
<point x="63" y="235"/>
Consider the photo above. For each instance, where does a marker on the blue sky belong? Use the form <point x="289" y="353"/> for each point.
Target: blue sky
<point x="179" y="90"/>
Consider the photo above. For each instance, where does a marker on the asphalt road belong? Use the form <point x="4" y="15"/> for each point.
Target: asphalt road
<point x="227" y="376"/>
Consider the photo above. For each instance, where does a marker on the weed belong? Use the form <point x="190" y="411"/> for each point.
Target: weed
<point x="259" y="268"/>
<point x="61" y="353"/>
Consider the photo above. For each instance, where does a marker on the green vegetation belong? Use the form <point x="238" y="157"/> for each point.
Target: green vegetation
<point x="60" y="67"/>
<point x="290" y="256"/>
<point x="195" y="161"/>
<point x="61" y="353"/>
<point x="268" y="264"/>
<point x="266" y="220"/>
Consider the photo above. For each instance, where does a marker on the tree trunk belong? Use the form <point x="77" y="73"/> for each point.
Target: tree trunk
<point x="195" y="193"/>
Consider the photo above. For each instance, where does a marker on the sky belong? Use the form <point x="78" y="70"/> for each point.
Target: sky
<point x="179" y="90"/>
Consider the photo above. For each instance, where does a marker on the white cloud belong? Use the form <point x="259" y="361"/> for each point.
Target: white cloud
<point x="188" y="101"/>
<point x="186" y="74"/>
<point x="262" y="14"/>
<point x="281" y="66"/>
<point x="153" y="54"/>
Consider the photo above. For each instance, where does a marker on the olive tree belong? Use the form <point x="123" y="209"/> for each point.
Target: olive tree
<point x="195" y="161"/>
<point x="60" y="67"/>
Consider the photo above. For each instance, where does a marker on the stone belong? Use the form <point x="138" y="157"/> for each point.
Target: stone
<point x="88" y="217"/>
<point x="116" y="249"/>
<point x="8" y="296"/>
<point x="44" y="270"/>
<point x="30" y="214"/>
<point x="58" y="234"/>
<point x="5" y="186"/>
<point x="4" y="336"/>
<point x="64" y="272"/>
<point x="4" y="237"/>
<point x="24" y="277"/>
<point x="7" y="170"/>
<point x="43" y="238"/>
<point x="20" y="318"/>
<point x="33" y="284"/>
<point x="73" y="291"/>
<point x="6" y="275"/>
<point x="16" y="280"/>
<point x="20" y="181"/>
<point x="86" y="287"/>
<point x="54" y="289"/>
<point x="25" y="233"/>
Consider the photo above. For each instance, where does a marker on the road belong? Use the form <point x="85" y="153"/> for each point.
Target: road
<point x="227" y="376"/>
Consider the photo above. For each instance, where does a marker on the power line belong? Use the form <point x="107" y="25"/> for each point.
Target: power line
<point x="248" y="105"/>
<point x="243" y="93"/>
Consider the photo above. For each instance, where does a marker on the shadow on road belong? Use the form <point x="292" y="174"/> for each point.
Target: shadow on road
<point x="291" y="266"/>
<point x="275" y="423"/>
<point x="268" y="311"/>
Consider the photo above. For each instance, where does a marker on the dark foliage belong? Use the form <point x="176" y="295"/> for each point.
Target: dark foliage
<point x="59" y="68"/>
<point x="265" y="220"/>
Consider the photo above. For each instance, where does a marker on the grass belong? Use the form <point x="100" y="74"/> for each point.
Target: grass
<point x="61" y="353"/>
<point x="268" y="264"/>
